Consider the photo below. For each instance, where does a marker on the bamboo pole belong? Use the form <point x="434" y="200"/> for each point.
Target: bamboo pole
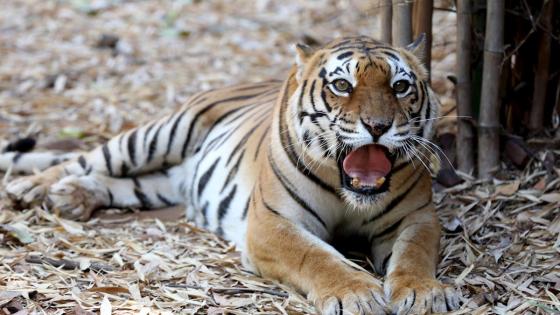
<point x="402" y="23"/>
<point x="422" y="23"/>
<point x="386" y="20"/>
<point x="540" y="84"/>
<point x="557" y="108"/>
<point x="465" y="133"/>
<point x="489" y="122"/>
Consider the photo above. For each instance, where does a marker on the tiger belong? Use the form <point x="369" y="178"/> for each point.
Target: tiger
<point x="283" y="169"/>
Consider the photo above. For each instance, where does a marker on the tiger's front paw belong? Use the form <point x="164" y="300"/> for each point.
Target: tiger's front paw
<point x="76" y="197"/>
<point x="360" y="294"/>
<point x="410" y="294"/>
<point x="28" y="190"/>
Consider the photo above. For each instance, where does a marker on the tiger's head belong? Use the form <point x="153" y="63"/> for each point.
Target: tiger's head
<point x="362" y="107"/>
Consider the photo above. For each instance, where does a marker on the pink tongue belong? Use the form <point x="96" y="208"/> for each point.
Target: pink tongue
<point x="367" y="163"/>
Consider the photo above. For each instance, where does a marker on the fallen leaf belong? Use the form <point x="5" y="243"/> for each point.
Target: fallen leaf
<point x="105" y="308"/>
<point x="20" y="231"/>
<point x="508" y="189"/>
<point x="551" y="198"/>
<point x="110" y="290"/>
<point x="71" y="227"/>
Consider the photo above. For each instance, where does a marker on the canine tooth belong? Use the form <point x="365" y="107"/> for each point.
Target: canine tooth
<point x="380" y="181"/>
<point x="355" y="182"/>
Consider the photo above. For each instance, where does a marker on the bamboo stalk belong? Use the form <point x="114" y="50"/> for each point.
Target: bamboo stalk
<point x="465" y="133"/>
<point x="422" y="23"/>
<point x="489" y="122"/>
<point x="540" y="84"/>
<point x="386" y="20"/>
<point x="557" y="109"/>
<point x="402" y="23"/>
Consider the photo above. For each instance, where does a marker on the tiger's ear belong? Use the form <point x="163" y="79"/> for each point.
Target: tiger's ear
<point x="303" y="53"/>
<point x="418" y="46"/>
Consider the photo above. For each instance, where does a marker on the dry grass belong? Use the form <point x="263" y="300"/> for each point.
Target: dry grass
<point x="61" y="83"/>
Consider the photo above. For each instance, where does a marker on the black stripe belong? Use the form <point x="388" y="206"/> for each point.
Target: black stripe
<point x="391" y="55"/>
<point x="242" y="114"/>
<point x="206" y="177"/>
<point x="424" y="95"/>
<point x="224" y="205"/>
<point x="291" y="191"/>
<point x="142" y="198"/>
<point x="324" y="145"/>
<point x="82" y="161"/>
<point x="146" y="135"/>
<point x="340" y="307"/>
<point x="345" y="55"/>
<point x="204" y="212"/>
<point x="385" y="263"/>
<point x="287" y="145"/>
<point x="16" y="157"/>
<point x="202" y="112"/>
<point x="124" y="169"/>
<point x="164" y="200"/>
<point x="258" y="149"/>
<point x="212" y="143"/>
<point x="132" y="147"/>
<point x="269" y="208"/>
<point x="244" y="140"/>
<point x="224" y="116"/>
<point x="111" y="197"/>
<point x="324" y="98"/>
<point x="246" y="209"/>
<point x="107" y="156"/>
<point x="400" y="167"/>
<point x="233" y="171"/>
<point x="311" y="98"/>
<point x="55" y="162"/>
<point x="393" y="227"/>
<point x="397" y="200"/>
<point x="300" y="99"/>
<point x="153" y="144"/>
<point x="173" y="131"/>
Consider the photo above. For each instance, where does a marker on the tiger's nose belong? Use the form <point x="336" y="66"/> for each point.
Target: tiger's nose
<point x="377" y="127"/>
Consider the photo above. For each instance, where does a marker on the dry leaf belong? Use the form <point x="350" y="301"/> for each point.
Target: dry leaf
<point x="20" y="231"/>
<point x="508" y="189"/>
<point x="106" y="308"/>
<point x="110" y="290"/>
<point x="551" y="198"/>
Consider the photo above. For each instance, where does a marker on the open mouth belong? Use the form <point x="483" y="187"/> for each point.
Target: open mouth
<point x="366" y="170"/>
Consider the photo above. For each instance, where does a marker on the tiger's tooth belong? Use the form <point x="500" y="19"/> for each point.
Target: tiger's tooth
<point x="380" y="181"/>
<point x="355" y="182"/>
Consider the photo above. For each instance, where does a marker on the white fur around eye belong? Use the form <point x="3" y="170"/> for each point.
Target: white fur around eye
<point x="337" y="92"/>
<point x="403" y="94"/>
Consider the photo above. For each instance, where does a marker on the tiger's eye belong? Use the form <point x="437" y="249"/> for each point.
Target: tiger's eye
<point x="401" y="86"/>
<point x="343" y="86"/>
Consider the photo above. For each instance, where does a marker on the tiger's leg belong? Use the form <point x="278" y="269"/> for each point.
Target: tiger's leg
<point x="137" y="151"/>
<point x="411" y="258"/>
<point x="76" y="197"/>
<point x="277" y="248"/>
